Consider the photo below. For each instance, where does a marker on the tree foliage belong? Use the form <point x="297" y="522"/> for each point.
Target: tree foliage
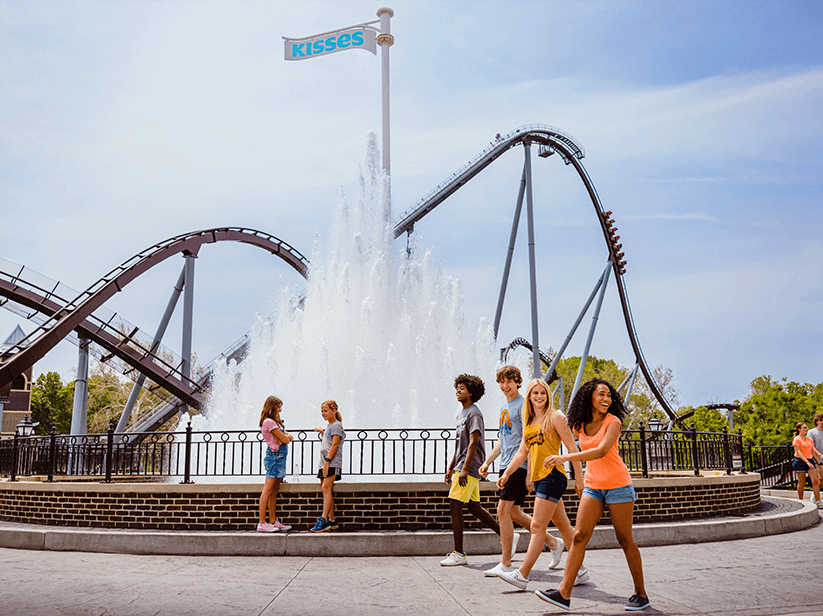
<point x="642" y="404"/>
<point x="52" y="401"/>
<point x="769" y="414"/>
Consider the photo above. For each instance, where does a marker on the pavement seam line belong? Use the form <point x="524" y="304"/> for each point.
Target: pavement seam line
<point x="465" y="611"/>
<point x="279" y="592"/>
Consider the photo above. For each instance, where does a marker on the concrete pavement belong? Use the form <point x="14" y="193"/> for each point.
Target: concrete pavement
<point x="764" y="575"/>
<point x="776" y="574"/>
<point x="776" y="515"/>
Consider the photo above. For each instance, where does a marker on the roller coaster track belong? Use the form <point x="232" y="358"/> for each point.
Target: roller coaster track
<point x="549" y="141"/>
<point x="79" y="313"/>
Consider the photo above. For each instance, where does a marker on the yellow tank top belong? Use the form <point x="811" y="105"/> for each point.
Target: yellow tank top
<point x="540" y="447"/>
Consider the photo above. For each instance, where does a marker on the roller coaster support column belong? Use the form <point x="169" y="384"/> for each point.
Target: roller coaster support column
<point x="79" y="411"/>
<point x="588" y="303"/>
<point x="512" y="239"/>
<point x="630" y="380"/>
<point x="188" y="310"/>
<point x="595" y="317"/>
<point x="527" y="168"/>
<point x="158" y="336"/>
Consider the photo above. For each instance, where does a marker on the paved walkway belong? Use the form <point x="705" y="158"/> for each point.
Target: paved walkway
<point x="766" y="575"/>
<point x="750" y="577"/>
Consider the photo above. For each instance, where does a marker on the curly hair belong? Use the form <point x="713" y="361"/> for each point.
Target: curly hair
<point x="510" y="372"/>
<point x="474" y="385"/>
<point x="580" y="409"/>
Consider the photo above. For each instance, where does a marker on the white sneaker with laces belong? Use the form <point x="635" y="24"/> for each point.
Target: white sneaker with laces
<point x="498" y="568"/>
<point x="454" y="559"/>
<point x="582" y="576"/>
<point x="515" y="578"/>
<point x="557" y="553"/>
<point x="515" y="539"/>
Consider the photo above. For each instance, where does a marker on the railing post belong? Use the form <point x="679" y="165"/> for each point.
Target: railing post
<point x="14" y="447"/>
<point x="695" y="458"/>
<point x="644" y="463"/>
<point x="187" y="471"/>
<point x="726" y="451"/>
<point x="109" y="450"/>
<point x="52" y="452"/>
<point x="743" y="460"/>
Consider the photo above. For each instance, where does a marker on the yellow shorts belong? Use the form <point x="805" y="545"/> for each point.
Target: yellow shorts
<point x="470" y="491"/>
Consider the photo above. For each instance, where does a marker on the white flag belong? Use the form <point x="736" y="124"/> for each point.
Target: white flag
<point x="356" y="37"/>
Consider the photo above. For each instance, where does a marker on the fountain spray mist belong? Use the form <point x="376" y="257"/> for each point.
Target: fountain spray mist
<point x="381" y="331"/>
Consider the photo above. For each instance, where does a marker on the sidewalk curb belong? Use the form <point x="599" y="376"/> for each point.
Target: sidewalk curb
<point x="251" y="543"/>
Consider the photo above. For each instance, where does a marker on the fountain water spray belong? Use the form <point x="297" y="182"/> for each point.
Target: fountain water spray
<point x="382" y="332"/>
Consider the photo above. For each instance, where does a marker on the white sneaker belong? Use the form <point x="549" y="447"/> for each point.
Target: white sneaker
<point x="582" y="576"/>
<point x="454" y="559"/>
<point x="515" y="578"/>
<point x="498" y="568"/>
<point x="515" y="539"/>
<point x="557" y="553"/>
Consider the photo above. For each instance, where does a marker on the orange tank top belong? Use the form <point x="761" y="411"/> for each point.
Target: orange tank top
<point x="608" y="472"/>
<point x="805" y="445"/>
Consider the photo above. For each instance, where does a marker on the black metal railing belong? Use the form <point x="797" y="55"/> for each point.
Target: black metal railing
<point x="411" y="453"/>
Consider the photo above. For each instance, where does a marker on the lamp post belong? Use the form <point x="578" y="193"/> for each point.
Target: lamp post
<point x="26" y="427"/>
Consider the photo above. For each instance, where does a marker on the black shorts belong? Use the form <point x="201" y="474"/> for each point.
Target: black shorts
<point x="333" y="470"/>
<point x="515" y="488"/>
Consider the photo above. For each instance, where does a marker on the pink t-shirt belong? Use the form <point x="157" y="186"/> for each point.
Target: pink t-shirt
<point x="271" y="440"/>
<point x="610" y="471"/>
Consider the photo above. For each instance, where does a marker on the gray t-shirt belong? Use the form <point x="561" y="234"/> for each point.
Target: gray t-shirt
<point x="817" y="438"/>
<point x="470" y="420"/>
<point x="511" y="432"/>
<point x="328" y="438"/>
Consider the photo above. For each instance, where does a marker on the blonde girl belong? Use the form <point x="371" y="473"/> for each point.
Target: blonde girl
<point x="277" y="449"/>
<point x="331" y="463"/>
<point x="543" y="430"/>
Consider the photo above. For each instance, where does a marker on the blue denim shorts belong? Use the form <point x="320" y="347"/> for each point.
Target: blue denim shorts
<point x="551" y="487"/>
<point x="275" y="462"/>
<point x="612" y="496"/>
<point x="799" y="466"/>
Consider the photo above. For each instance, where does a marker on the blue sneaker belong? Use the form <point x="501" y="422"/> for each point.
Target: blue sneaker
<point x="333" y="525"/>
<point x="320" y="526"/>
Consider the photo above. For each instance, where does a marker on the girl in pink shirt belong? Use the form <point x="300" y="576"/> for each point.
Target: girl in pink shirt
<point x="595" y="416"/>
<point x="277" y="450"/>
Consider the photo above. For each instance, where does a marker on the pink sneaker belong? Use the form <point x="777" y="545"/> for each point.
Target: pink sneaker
<point x="279" y="526"/>
<point x="267" y="528"/>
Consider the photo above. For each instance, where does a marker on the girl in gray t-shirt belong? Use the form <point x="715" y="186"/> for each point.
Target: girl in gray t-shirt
<point x="331" y="463"/>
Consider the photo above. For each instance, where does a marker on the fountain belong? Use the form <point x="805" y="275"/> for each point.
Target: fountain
<point x="380" y="330"/>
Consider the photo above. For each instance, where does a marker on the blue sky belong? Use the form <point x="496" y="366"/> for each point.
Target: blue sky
<point x="122" y="124"/>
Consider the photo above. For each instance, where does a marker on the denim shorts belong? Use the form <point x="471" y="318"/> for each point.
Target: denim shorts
<point x="612" y="496"/>
<point x="275" y="462"/>
<point x="551" y="487"/>
<point x="799" y="466"/>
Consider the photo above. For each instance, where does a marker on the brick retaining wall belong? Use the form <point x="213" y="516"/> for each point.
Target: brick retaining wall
<point x="358" y="506"/>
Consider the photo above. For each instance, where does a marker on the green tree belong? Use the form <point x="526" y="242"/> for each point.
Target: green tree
<point x="769" y="414"/>
<point x="708" y="420"/>
<point x="51" y="403"/>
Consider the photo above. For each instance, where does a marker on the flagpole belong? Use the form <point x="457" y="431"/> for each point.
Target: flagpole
<point x="385" y="40"/>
